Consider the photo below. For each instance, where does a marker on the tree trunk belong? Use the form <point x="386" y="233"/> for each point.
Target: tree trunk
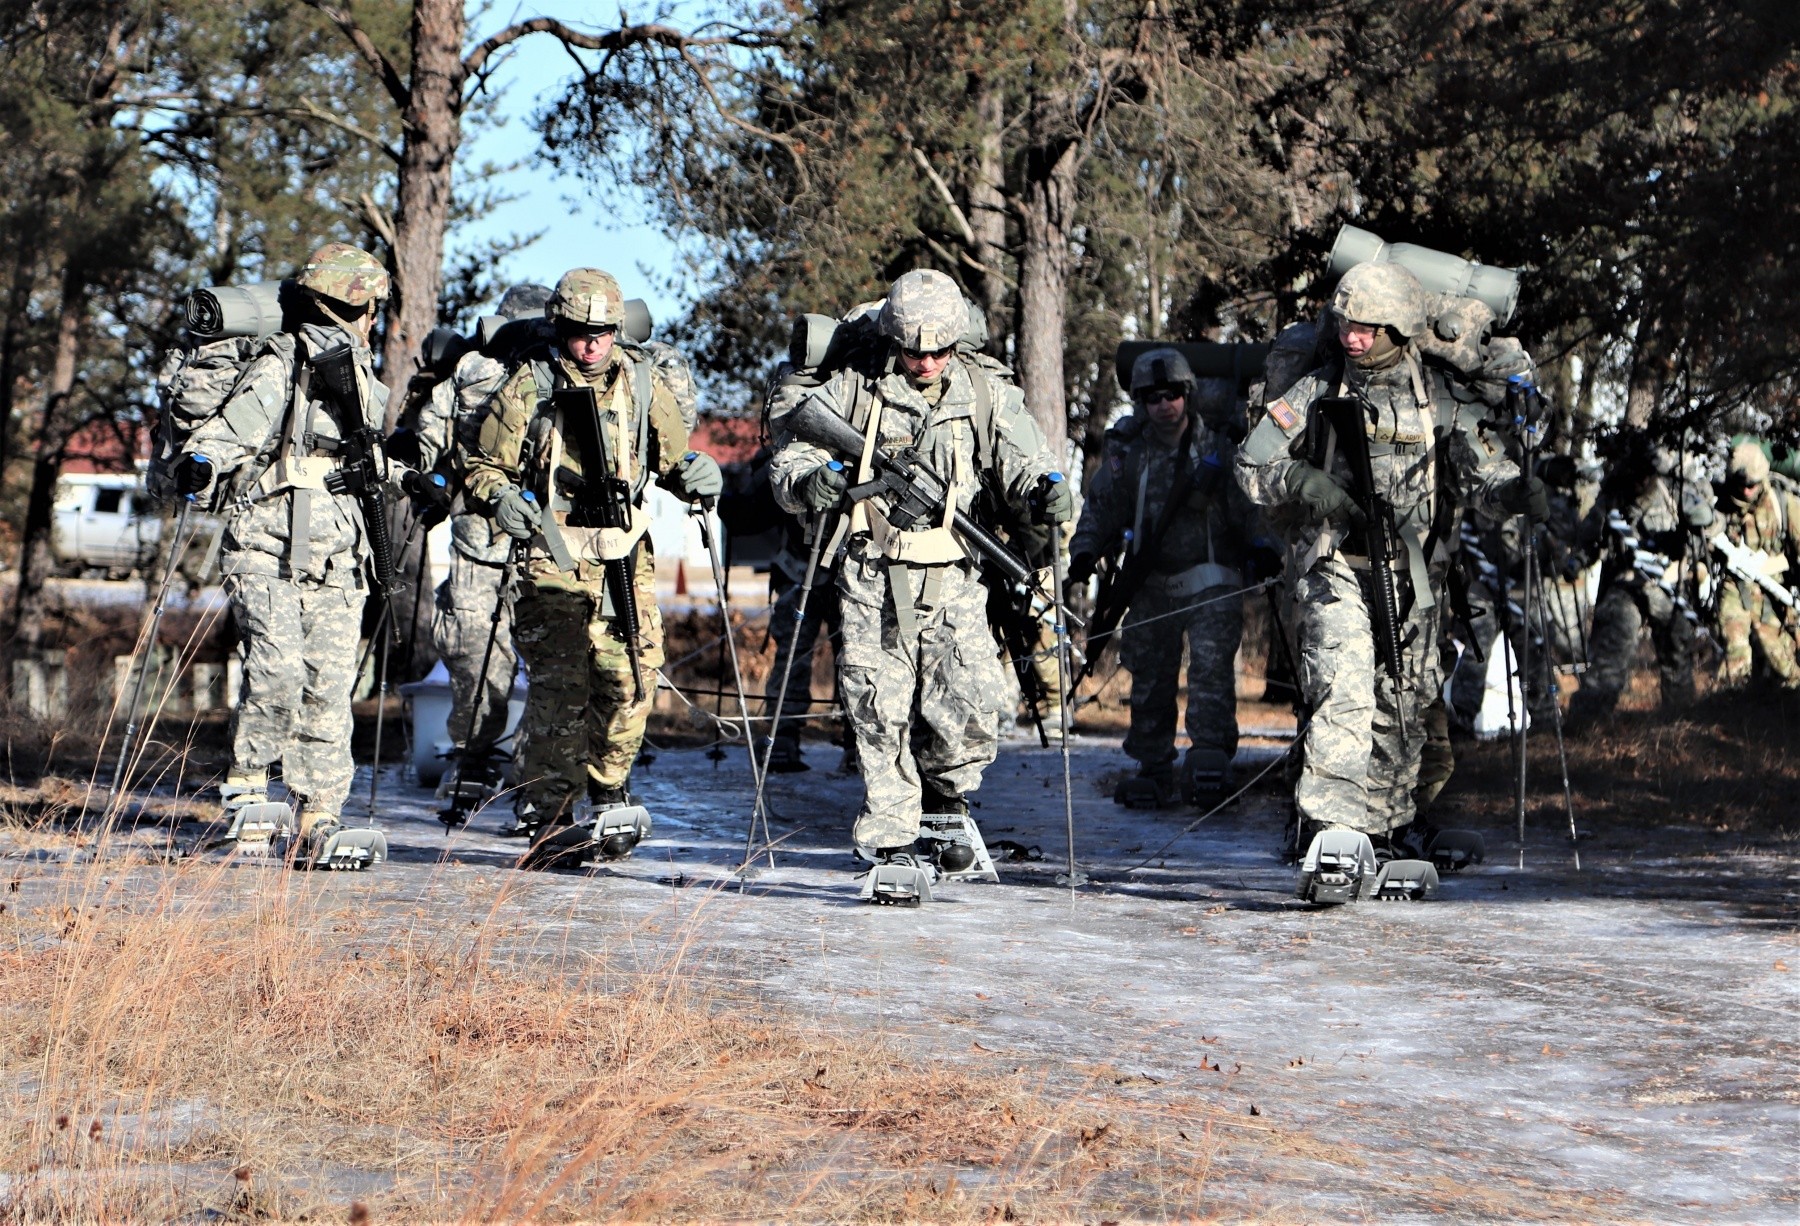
<point x="987" y="212"/>
<point x="1649" y="371"/>
<point x="433" y="133"/>
<point x="1046" y="215"/>
<point x="18" y="301"/>
<point x="35" y="562"/>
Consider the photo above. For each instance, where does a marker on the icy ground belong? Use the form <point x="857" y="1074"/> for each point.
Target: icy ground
<point x="1616" y="1044"/>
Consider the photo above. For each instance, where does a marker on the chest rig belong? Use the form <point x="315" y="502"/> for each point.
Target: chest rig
<point x="607" y="437"/>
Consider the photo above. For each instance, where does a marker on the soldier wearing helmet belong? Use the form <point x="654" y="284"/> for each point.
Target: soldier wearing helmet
<point x="536" y="463"/>
<point x="1429" y="457"/>
<point x="470" y="610"/>
<point x="1759" y="513"/>
<point x="1162" y="505"/>
<point x="917" y="668"/>
<point x="295" y="544"/>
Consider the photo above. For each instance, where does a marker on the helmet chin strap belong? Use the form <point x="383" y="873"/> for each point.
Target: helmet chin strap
<point x="359" y="326"/>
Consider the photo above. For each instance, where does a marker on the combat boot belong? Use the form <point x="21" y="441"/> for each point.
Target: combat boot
<point x="1153" y="787"/>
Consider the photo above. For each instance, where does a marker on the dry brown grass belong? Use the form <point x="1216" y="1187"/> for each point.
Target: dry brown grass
<point x="211" y="1037"/>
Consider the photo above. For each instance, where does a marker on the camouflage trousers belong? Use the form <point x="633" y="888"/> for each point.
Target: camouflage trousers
<point x="920" y="700"/>
<point x="1366" y="735"/>
<point x="799" y="639"/>
<point x="1619" y="617"/>
<point x="299" y="642"/>
<point x="461" y="624"/>
<point x="1751" y="628"/>
<point x="1150" y="645"/>
<point x="582" y="724"/>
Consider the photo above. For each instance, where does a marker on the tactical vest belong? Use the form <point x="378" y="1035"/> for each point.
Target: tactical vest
<point x="569" y="545"/>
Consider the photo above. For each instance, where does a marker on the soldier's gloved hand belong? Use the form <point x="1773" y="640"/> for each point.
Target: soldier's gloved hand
<point x="517" y="513"/>
<point x="823" y="488"/>
<point x="699" y="477"/>
<point x="191" y="475"/>
<point x="1526" y="496"/>
<point x="1053" y="501"/>
<point x="1320" y="495"/>
<point x="1081" y="568"/>
<point x="430" y="494"/>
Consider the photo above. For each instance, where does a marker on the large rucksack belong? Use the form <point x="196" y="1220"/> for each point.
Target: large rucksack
<point x="227" y="326"/>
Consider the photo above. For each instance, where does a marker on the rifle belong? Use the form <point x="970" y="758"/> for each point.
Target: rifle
<point x="1018" y="623"/>
<point x="909" y="487"/>
<point x="602" y="499"/>
<point x="1745" y="563"/>
<point x="360" y="473"/>
<point x="1648" y="562"/>
<point x="1380" y="541"/>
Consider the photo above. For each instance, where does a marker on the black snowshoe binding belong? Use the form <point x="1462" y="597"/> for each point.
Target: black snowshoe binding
<point x="471" y="783"/>
<point x="1450" y="851"/>
<point x="1147" y="790"/>
<point x="608" y="827"/>
<point x="1206" y="777"/>
<point x="1341" y="866"/>
<point x="901" y="876"/>
<point x="950" y="837"/>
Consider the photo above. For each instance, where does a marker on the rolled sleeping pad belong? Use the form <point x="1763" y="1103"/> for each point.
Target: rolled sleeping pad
<point x="1437" y="271"/>
<point x="638" y="323"/>
<point x="1241" y="361"/>
<point x="221" y="311"/>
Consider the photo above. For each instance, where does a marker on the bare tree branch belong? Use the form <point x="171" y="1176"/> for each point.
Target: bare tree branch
<point x="943" y="189"/>
<point x="384" y="68"/>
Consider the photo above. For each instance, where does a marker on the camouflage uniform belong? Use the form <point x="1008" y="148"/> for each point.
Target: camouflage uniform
<point x="1751" y="622"/>
<point x="1631" y="597"/>
<point x="582" y="724"/>
<point x="1365" y="734"/>
<point x="1199" y="559"/>
<point x="294" y="552"/>
<point x="918" y="669"/>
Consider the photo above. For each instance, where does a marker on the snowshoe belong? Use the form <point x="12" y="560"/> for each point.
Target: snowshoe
<point x="608" y="833"/>
<point x="785" y="757"/>
<point x="1205" y="776"/>
<point x="1451" y="851"/>
<point x="901" y="877"/>
<point x="1404" y="881"/>
<point x="468" y="785"/>
<point x="1336" y="867"/>
<point x="1146" y="790"/>
<point x="330" y="845"/>
<point x="256" y="827"/>
<point x="955" y="846"/>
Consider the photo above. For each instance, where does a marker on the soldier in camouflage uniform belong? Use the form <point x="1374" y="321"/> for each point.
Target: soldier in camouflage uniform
<point x="1764" y="518"/>
<point x="1365" y="733"/>
<point x="918" y="669"/>
<point x="1642" y="527"/>
<point x="295" y="546"/>
<point x="470" y="598"/>
<point x="1175" y="445"/>
<point x="583" y="721"/>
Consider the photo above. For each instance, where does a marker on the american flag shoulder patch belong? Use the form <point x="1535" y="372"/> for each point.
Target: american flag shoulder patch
<point x="1284" y="414"/>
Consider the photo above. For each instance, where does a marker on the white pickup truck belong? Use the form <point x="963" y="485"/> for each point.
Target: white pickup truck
<point x="103" y="525"/>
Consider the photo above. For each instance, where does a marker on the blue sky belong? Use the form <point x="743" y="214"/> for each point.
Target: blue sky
<point x="578" y="231"/>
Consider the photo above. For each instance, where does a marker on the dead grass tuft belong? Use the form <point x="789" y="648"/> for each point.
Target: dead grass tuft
<point x="215" y="1038"/>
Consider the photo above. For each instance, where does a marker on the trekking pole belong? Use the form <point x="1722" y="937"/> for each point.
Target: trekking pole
<point x="737" y="673"/>
<point x="1562" y="756"/>
<point x="148" y="639"/>
<point x="759" y="812"/>
<point x="1058" y="572"/>
<point x="487" y="657"/>
<point x="386" y="634"/>
<point x="1519" y="393"/>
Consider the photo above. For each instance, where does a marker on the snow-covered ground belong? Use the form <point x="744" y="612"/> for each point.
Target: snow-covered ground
<point x="1613" y="1044"/>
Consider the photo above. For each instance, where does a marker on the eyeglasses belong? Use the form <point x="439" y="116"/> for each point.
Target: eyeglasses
<point x="1157" y="395"/>
<point x="919" y="355"/>
<point x="590" y="333"/>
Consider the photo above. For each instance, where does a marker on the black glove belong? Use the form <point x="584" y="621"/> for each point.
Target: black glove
<point x="823" y="488"/>
<point x="191" y="474"/>
<point x="1081" y="568"/>
<point x="1053" y="502"/>
<point x="430" y="494"/>
<point x="1322" y="497"/>
<point x="1526" y="496"/>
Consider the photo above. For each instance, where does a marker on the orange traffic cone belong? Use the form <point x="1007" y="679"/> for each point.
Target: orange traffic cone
<point x="681" y="577"/>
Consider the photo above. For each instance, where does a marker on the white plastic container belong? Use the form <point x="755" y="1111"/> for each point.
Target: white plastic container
<point x="429" y="702"/>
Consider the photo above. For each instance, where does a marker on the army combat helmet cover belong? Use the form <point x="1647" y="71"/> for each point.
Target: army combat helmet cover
<point x="1381" y="295"/>
<point x="1156" y="368"/>
<point x="587" y="297"/>
<point x="344" y="274"/>
<point x="924" y="312"/>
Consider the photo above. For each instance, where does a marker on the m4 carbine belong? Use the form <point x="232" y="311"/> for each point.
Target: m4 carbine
<point x="602" y="499"/>
<point x="361" y="466"/>
<point x="1753" y="567"/>
<point x="1380" y="541"/>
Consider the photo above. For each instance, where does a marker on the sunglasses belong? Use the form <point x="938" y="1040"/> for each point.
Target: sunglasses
<point x="919" y="355"/>
<point x="1157" y="395"/>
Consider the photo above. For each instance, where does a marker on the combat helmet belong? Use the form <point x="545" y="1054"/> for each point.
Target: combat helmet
<point x="1162" y="368"/>
<point x="1749" y="463"/>
<point x="345" y="274"/>
<point x="1382" y="295"/>
<point x="924" y="312"/>
<point x="587" y="297"/>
